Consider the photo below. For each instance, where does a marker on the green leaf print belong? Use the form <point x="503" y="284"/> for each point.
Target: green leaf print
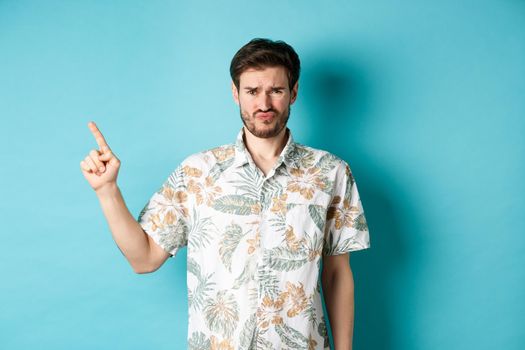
<point x="194" y="268"/>
<point x="360" y="223"/>
<point x="198" y="341"/>
<point x="327" y="163"/>
<point x="271" y="189"/>
<point x="263" y="344"/>
<point x="330" y="245"/>
<point x="302" y="155"/>
<point x="249" y="183"/>
<point x="309" y="311"/>
<point x="200" y="231"/>
<point x="291" y="337"/>
<point x="318" y="215"/>
<point x="222" y="313"/>
<point x="348" y="190"/>
<point x="246" y="274"/>
<point x="220" y="167"/>
<point x="229" y="242"/>
<point x="321" y="329"/>
<point x="282" y="259"/>
<point x="278" y="222"/>
<point x="313" y="243"/>
<point x="144" y="210"/>
<point x="268" y="282"/>
<point x="329" y="186"/>
<point x="346" y="245"/>
<point x="197" y="296"/>
<point x="205" y="286"/>
<point x="235" y="204"/>
<point x="247" y="333"/>
<point x="174" y="236"/>
<point x="176" y="179"/>
<point x="323" y="332"/>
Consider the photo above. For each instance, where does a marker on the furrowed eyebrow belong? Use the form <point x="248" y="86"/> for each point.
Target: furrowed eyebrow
<point x="273" y="88"/>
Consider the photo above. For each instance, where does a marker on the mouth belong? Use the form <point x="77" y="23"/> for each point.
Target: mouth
<point x="265" y="116"/>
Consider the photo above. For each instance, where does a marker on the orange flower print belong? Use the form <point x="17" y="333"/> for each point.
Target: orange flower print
<point x="253" y="243"/>
<point x="291" y="239"/>
<point x="193" y="187"/>
<point x="175" y="199"/>
<point x="220" y="345"/>
<point x="330" y="214"/>
<point x="155" y="222"/>
<point x="204" y="192"/>
<point x="256" y="208"/>
<point x="223" y="153"/>
<point x="313" y="254"/>
<point x="192" y="172"/>
<point x="311" y="343"/>
<point x="344" y="217"/>
<point x="296" y="299"/>
<point x="169" y="217"/>
<point x="306" y="182"/>
<point x="211" y="191"/>
<point x="168" y="192"/>
<point x="268" y="312"/>
<point x="348" y="173"/>
<point x="180" y="197"/>
<point x="279" y="204"/>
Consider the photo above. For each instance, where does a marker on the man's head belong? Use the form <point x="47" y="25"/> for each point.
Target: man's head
<point x="265" y="78"/>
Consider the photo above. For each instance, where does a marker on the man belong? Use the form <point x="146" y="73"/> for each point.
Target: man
<point x="258" y="216"/>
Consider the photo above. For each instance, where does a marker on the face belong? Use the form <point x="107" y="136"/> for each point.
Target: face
<point x="264" y="100"/>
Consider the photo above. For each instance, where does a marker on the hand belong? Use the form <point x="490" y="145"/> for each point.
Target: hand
<point x="100" y="167"/>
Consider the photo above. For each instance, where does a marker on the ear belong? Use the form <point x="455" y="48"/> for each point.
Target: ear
<point x="235" y="93"/>
<point x="293" y="93"/>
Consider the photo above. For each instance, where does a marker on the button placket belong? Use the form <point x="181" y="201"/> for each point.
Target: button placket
<point x="262" y="216"/>
<point x="259" y="254"/>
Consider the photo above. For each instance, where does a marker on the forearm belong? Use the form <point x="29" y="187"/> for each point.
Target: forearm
<point x="339" y="298"/>
<point x="126" y="231"/>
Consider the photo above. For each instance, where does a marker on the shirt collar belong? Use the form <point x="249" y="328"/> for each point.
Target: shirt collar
<point x="242" y="156"/>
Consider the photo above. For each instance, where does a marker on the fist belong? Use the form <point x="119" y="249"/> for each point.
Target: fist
<point x="100" y="167"/>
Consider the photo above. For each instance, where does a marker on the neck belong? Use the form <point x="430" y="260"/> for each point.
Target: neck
<point x="265" y="149"/>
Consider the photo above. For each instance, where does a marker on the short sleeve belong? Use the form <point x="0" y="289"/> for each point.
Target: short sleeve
<point x="346" y="228"/>
<point x="165" y="217"/>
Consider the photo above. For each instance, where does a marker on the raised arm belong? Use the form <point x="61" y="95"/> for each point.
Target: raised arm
<point x="100" y="168"/>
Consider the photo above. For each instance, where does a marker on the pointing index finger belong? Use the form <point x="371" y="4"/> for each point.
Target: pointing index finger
<point x="101" y="141"/>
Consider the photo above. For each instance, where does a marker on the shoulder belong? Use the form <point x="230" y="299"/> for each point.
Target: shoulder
<point x="204" y="161"/>
<point x="306" y="156"/>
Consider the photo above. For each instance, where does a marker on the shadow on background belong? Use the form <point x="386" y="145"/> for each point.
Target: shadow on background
<point x="338" y="101"/>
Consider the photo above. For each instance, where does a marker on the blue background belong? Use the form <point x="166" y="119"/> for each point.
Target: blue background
<point x="424" y="99"/>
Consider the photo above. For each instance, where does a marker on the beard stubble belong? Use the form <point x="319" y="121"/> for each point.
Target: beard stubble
<point x="280" y="124"/>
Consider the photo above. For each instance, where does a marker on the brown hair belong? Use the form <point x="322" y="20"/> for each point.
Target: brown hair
<point x="260" y="53"/>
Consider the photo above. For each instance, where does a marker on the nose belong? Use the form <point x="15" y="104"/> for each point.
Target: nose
<point x="264" y="102"/>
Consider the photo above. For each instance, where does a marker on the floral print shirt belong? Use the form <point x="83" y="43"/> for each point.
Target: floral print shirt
<point x="255" y="242"/>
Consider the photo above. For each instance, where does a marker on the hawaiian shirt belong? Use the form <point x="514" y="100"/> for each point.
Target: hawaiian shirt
<point x="255" y="242"/>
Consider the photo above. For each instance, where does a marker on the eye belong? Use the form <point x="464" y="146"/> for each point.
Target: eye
<point x="277" y="91"/>
<point x="251" y="92"/>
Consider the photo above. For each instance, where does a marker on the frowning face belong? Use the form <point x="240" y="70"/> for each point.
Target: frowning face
<point x="264" y="98"/>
